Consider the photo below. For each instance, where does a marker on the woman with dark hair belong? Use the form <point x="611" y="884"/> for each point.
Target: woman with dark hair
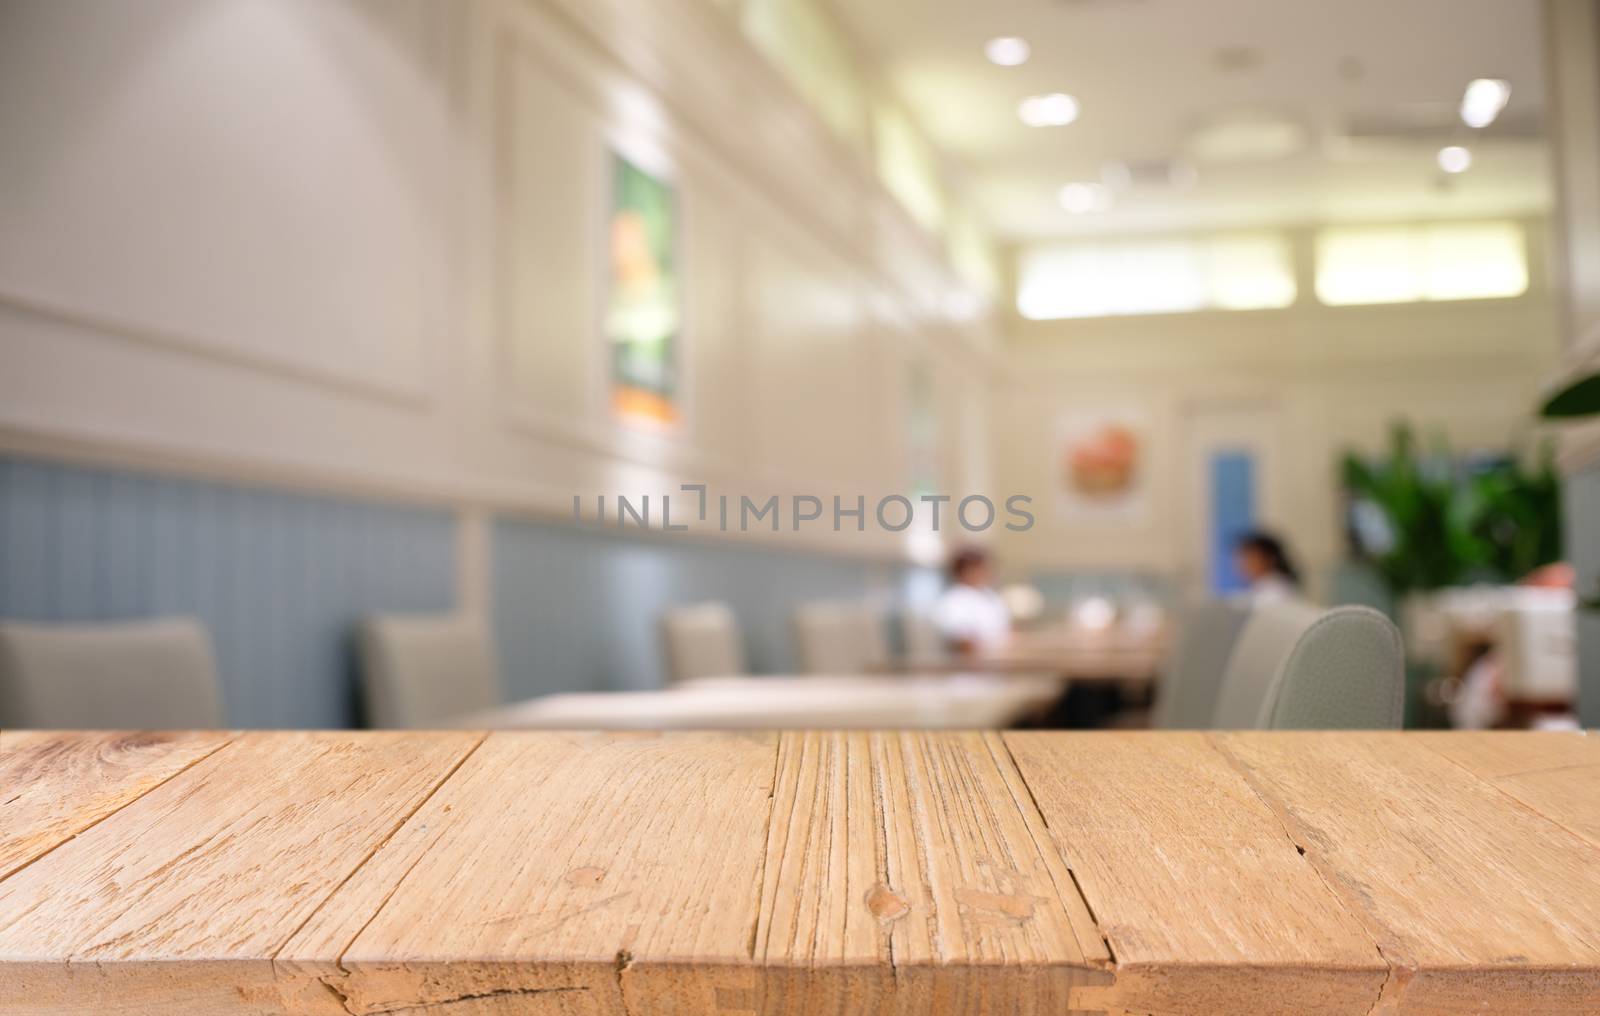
<point x="1264" y="562"/>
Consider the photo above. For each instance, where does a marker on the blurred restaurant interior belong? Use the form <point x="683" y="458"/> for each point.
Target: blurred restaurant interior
<point x="799" y="363"/>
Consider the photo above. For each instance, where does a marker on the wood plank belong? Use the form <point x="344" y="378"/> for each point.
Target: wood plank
<point x="1478" y="902"/>
<point x="1555" y="774"/>
<point x="891" y="873"/>
<point x="560" y="873"/>
<point x="178" y="902"/>
<point x="1205" y="903"/>
<point x="55" y="784"/>
<point x="904" y="875"/>
<point x="1493" y="754"/>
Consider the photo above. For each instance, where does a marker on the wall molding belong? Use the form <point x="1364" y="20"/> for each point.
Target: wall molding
<point x="111" y="327"/>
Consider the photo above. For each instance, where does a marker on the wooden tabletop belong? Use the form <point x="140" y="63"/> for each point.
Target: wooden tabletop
<point x="472" y="874"/>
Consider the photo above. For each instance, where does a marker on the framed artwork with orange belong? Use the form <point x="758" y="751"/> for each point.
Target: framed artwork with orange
<point x="1101" y="465"/>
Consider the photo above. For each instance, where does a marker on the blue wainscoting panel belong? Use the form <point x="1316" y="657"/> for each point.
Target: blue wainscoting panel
<point x="278" y="578"/>
<point x="578" y="609"/>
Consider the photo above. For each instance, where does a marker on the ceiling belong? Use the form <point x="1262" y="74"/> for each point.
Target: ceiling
<point x="1365" y="92"/>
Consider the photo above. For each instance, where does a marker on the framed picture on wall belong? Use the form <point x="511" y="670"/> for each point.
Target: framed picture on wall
<point x="643" y="306"/>
<point x="1101" y="467"/>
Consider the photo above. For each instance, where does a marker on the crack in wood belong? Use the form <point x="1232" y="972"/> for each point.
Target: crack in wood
<point x="1395" y="974"/>
<point x="339" y="960"/>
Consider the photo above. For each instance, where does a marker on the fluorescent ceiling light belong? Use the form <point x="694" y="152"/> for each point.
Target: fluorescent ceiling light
<point x="1055" y="109"/>
<point x="1483" y="101"/>
<point x="1455" y="159"/>
<point x="1007" y="51"/>
<point x="1079" y="198"/>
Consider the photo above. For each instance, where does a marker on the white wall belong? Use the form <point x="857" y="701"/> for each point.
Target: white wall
<point x="1325" y="379"/>
<point x="358" y="245"/>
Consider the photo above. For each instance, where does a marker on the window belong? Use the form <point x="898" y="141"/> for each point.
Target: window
<point x="1403" y="264"/>
<point x="1238" y="272"/>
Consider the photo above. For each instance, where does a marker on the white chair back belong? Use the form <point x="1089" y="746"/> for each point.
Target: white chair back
<point x="701" y="640"/>
<point x="1297" y="667"/>
<point x="421" y="670"/>
<point x="1538" y="645"/>
<point x="133" y="675"/>
<point x="1192" y="678"/>
<point x="839" y="637"/>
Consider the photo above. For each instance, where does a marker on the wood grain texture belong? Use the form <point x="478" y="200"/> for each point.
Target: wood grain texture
<point x="566" y="873"/>
<point x="1555" y="774"/>
<point x="1479" y="903"/>
<point x="1205" y="903"/>
<point x="908" y="873"/>
<point x="181" y="899"/>
<point x="55" y="784"/>
<point x="561" y="873"/>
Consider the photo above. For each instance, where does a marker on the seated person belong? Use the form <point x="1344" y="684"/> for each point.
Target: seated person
<point x="970" y="615"/>
<point x="1264" y="563"/>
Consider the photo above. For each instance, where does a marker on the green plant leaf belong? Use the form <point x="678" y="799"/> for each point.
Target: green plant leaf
<point x="1580" y="398"/>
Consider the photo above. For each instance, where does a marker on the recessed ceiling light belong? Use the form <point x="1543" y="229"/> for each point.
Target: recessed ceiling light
<point x="1007" y="51"/>
<point x="1483" y="101"/>
<point x="1455" y="159"/>
<point x="1081" y="198"/>
<point x="1055" y="109"/>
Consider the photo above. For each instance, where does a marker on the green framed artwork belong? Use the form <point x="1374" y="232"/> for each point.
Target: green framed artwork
<point x="643" y="311"/>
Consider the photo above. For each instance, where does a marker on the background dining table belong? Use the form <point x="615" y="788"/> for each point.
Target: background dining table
<point x="1133" y="656"/>
<point x="466" y="873"/>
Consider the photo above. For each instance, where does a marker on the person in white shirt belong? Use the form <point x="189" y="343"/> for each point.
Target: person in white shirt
<point x="970" y="615"/>
<point x="1265" y="564"/>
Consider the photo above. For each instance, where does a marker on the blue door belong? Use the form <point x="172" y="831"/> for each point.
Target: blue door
<point x="1232" y="483"/>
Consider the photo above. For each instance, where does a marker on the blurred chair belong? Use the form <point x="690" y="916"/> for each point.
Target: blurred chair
<point x="839" y="637"/>
<point x="156" y="674"/>
<point x="421" y="670"/>
<point x="1537" y="640"/>
<point x="1298" y="667"/>
<point x="1192" y="679"/>
<point x="701" y="640"/>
